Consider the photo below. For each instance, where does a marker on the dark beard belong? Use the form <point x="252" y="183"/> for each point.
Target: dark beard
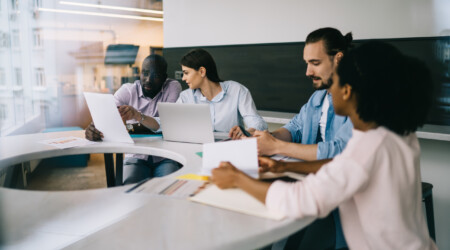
<point x="150" y="93"/>
<point x="325" y="85"/>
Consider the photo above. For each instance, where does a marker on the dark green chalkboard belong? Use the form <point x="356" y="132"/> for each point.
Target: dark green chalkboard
<point x="275" y="73"/>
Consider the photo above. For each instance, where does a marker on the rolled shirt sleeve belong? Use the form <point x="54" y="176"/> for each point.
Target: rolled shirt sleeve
<point x="247" y="110"/>
<point x="295" y="126"/>
<point x="304" y="127"/>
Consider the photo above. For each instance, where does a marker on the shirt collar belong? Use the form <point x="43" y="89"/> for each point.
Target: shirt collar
<point x="224" y="85"/>
<point x="318" y="98"/>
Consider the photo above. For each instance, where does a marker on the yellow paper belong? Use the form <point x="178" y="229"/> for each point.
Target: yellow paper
<point x="193" y="177"/>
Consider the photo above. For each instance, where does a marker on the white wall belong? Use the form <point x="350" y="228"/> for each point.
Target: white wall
<point x="209" y="22"/>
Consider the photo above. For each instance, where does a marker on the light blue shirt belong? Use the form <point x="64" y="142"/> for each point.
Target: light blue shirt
<point x="232" y="106"/>
<point x="304" y="127"/>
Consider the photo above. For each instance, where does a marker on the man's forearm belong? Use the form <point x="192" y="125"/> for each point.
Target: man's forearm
<point x="307" y="152"/>
<point x="150" y="122"/>
<point x="282" y="134"/>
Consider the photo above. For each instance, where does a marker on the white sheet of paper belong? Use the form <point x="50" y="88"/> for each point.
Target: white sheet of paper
<point x="106" y="117"/>
<point x="67" y="142"/>
<point x="169" y="187"/>
<point x="242" y="154"/>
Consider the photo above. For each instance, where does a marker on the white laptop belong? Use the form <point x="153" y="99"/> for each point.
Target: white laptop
<point x="187" y="123"/>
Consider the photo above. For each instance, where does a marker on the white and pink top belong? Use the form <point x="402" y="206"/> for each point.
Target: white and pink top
<point x="376" y="184"/>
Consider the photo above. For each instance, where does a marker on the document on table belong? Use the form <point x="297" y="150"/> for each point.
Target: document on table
<point x="169" y="187"/>
<point x="106" y="117"/>
<point x="277" y="157"/>
<point x="236" y="200"/>
<point x="67" y="142"/>
<point x="292" y="175"/>
<point x="243" y="154"/>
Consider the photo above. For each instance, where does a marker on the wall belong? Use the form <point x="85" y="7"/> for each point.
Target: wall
<point x="209" y="23"/>
<point x="203" y="22"/>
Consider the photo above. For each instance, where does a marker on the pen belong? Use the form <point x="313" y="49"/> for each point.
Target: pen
<point x="245" y="132"/>
<point x="137" y="185"/>
<point x="203" y="186"/>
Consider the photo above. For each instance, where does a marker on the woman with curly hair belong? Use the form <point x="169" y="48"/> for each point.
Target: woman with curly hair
<point x="376" y="181"/>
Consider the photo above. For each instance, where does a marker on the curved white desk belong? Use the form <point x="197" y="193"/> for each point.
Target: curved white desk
<point x="112" y="219"/>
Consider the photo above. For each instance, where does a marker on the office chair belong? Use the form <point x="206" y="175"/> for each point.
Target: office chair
<point x="427" y="197"/>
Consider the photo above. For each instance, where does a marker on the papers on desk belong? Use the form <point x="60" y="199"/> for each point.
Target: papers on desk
<point x="236" y="200"/>
<point x="243" y="154"/>
<point x="278" y="157"/>
<point x="67" y="142"/>
<point x="292" y="175"/>
<point x="106" y="117"/>
<point x="169" y="187"/>
<point x="274" y="176"/>
<point x="203" y="192"/>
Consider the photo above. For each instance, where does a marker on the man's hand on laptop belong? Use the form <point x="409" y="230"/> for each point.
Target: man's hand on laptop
<point x="92" y="133"/>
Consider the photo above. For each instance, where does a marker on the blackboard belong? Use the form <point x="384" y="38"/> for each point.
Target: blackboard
<point x="275" y="73"/>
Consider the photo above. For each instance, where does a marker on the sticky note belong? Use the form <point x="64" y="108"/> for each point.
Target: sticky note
<point x="193" y="177"/>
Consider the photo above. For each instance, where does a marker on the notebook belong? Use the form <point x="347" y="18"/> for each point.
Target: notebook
<point x="234" y="199"/>
<point x="191" y="123"/>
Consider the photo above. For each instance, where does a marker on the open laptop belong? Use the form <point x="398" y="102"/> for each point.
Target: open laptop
<point x="192" y="123"/>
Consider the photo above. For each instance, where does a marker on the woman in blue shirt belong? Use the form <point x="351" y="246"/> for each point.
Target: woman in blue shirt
<point x="231" y="104"/>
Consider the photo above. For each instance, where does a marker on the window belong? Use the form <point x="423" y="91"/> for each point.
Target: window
<point x="46" y="58"/>
<point x="4" y="40"/>
<point x="15" y="39"/>
<point x="37" y="41"/>
<point x="18" y="76"/>
<point x="2" y="77"/>
<point x="39" y="77"/>
<point x="14" y="4"/>
<point x="37" y="4"/>
<point x="3" y="112"/>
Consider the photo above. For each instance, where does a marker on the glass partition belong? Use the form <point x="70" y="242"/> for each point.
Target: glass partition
<point x="52" y="51"/>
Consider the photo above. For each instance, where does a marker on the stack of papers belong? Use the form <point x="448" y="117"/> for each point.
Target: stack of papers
<point x="168" y="187"/>
<point x="67" y="142"/>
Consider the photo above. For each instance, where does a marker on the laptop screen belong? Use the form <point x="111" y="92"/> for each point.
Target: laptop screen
<point x="183" y="122"/>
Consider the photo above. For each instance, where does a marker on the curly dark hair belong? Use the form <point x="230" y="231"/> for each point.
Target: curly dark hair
<point x="392" y="90"/>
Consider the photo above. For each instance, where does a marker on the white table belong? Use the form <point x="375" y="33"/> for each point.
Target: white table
<point x="113" y="219"/>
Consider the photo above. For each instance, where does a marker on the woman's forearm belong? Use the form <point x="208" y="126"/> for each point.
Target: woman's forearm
<point x="257" y="189"/>
<point x="306" y="167"/>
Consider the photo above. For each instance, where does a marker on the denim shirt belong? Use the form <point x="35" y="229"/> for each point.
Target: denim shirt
<point x="304" y="127"/>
